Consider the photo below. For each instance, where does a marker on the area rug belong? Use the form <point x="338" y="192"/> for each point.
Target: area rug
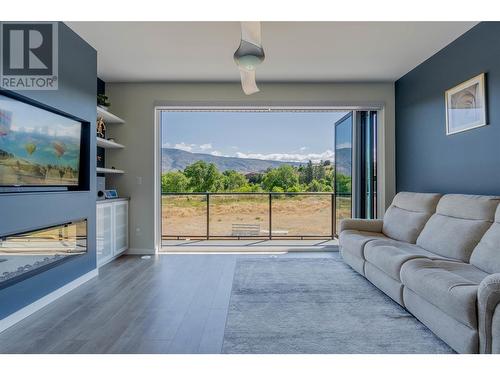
<point x="317" y="305"/>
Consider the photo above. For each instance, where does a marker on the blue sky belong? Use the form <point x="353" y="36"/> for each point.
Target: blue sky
<point x="284" y="136"/>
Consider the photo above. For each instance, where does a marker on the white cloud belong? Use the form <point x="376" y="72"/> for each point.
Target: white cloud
<point x="191" y="147"/>
<point x="297" y="157"/>
<point x="185" y="147"/>
<point x="314" y="157"/>
<point x="344" y="145"/>
<point x="205" y="146"/>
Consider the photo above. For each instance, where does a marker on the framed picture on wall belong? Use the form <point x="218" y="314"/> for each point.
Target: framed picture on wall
<point x="466" y="106"/>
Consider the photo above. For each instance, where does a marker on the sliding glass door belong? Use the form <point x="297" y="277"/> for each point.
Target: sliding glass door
<point x="356" y="166"/>
<point x="367" y="181"/>
<point x="343" y="168"/>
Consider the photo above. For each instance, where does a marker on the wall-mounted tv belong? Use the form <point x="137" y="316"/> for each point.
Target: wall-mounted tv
<point x="38" y="147"/>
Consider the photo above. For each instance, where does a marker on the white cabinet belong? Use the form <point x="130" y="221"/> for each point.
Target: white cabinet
<point x="104" y="232"/>
<point x="112" y="230"/>
<point x="120" y="215"/>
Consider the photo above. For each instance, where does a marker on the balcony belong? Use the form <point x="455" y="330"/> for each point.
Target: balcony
<point x="304" y="218"/>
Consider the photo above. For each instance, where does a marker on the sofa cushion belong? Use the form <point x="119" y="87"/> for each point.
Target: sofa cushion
<point x="458" y="225"/>
<point x="407" y="215"/>
<point x="451" y="237"/>
<point x="486" y="254"/>
<point x="449" y="285"/>
<point x="353" y="241"/>
<point x="417" y="202"/>
<point x="389" y="256"/>
<point x="473" y="207"/>
<point x="404" y="225"/>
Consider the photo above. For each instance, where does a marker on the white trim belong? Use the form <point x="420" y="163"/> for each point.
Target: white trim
<point x="354" y="162"/>
<point x="382" y="164"/>
<point x="26" y="311"/>
<point x="157" y="181"/>
<point x="255" y="107"/>
<point x="267" y="108"/>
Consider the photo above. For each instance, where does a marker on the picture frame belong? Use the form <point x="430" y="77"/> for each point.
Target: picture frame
<point x="466" y="105"/>
<point x="110" y="194"/>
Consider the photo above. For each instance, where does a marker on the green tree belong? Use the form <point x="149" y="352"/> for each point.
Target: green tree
<point x="343" y="183"/>
<point x="329" y="177"/>
<point x="308" y="173"/>
<point x="254" y="177"/>
<point x="233" y="181"/>
<point x="284" y="177"/>
<point x="204" y="177"/>
<point x="250" y="188"/>
<point x="174" y="182"/>
<point x="319" y="171"/>
<point x="296" y="188"/>
<point x="326" y="185"/>
<point x="315" y="186"/>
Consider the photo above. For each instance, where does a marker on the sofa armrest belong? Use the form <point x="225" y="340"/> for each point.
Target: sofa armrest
<point x="488" y="298"/>
<point x="366" y="225"/>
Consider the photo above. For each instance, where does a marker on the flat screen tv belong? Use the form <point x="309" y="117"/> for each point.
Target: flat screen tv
<point x="38" y="147"/>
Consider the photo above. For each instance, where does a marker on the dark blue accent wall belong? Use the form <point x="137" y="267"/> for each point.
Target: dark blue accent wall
<point x="427" y="160"/>
<point x="22" y="212"/>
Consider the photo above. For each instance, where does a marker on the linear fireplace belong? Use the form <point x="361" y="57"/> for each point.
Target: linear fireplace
<point x="25" y="254"/>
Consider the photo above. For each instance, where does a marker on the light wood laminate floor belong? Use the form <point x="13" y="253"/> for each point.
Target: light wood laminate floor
<point x="173" y="303"/>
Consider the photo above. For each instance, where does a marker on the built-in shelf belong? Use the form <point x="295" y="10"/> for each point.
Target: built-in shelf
<point x="109" y="171"/>
<point x="104" y="143"/>
<point x="108" y="117"/>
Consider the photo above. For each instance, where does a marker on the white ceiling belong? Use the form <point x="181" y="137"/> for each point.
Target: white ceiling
<point x="295" y="51"/>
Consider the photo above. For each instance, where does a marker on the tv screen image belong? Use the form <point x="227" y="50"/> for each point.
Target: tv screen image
<point x="37" y="147"/>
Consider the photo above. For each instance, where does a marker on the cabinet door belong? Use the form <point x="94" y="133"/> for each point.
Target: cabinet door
<point x="121" y="226"/>
<point x="104" y="232"/>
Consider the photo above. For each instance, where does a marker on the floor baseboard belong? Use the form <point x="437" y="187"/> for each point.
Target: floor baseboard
<point x="23" y="313"/>
<point x="135" y="251"/>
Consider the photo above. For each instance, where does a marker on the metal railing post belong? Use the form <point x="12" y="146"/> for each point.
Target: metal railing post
<point x="208" y="216"/>
<point x="334" y="217"/>
<point x="270" y="216"/>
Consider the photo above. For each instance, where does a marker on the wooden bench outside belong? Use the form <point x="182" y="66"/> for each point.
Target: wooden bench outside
<point x="245" y="230"/>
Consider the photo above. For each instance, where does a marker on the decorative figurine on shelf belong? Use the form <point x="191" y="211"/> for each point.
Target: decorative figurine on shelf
<point x="103" y="101"/>
<point x="101" y="128"/>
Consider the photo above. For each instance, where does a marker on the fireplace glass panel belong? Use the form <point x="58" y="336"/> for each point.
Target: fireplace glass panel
<point x="26" y="253"/>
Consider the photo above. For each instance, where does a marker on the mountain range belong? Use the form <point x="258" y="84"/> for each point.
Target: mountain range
<point x="175" y="159"/>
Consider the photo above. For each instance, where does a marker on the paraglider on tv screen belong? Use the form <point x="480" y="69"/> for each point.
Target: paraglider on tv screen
<point x="38" y="147"/>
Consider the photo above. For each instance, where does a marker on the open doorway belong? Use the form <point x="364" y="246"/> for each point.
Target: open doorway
<point x="255" y="175"/>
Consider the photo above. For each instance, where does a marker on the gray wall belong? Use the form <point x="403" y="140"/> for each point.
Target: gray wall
<point x="21" y="212"/>
<point x="427" y="159"/>
<point x="135" y="102"/>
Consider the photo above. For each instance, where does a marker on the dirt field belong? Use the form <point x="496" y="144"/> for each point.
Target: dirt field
<point x="186" y="216"/>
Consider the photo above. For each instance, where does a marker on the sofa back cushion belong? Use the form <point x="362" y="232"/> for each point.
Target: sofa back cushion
<point x="486" y="255"/>
<point x="407" y="215"/>
<point x="458" y="225"/>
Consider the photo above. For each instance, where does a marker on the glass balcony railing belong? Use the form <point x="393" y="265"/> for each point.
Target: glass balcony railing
<point x="252" y="215"/>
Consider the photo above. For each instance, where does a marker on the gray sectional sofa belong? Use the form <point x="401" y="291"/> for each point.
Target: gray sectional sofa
<point x="439" y="257"/>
